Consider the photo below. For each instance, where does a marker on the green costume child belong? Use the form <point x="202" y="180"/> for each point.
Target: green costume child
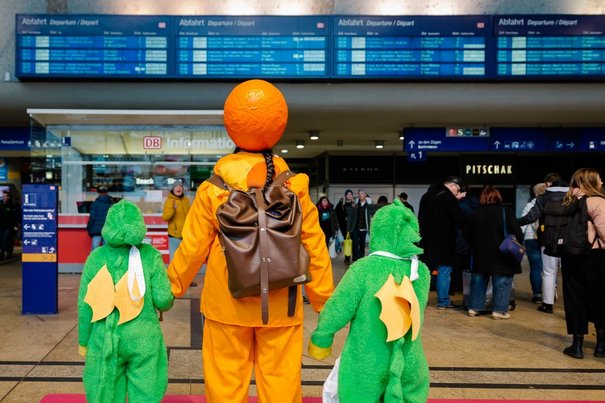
<point x="383" y="296"/>
<point x="118" y="327"/>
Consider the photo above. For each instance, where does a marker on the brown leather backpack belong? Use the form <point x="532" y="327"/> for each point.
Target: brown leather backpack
<point x="260" y="234"/>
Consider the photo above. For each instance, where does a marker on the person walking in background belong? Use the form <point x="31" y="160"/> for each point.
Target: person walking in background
<point x="584" y="275"/>
<point x="381" y="202"/>
<point x="532" y="247"/>
<point x="176" y="208"/>
<point x="404" y="199"/>
<point x="555" y="192"/>
<point x="439" y="214"/>
<point x="98" y="214"/>
<point x="344" y="212"/>
<point x="362" y="217"/>
<point x="485" y="231"/>
<point x="9" y="219"/>
<point x="327" y="218"/>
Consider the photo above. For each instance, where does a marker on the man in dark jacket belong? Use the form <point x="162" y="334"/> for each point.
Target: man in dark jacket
<point x="344" y="212"/>
<point x="98" y="213"/>
<point x="439" y="214"/>
<point x="555" y="192"/>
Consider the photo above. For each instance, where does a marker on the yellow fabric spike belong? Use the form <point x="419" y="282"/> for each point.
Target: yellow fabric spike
<point x="100" y="294"/>
<point x="400" y="308"/>
<point x="129" y="309"/>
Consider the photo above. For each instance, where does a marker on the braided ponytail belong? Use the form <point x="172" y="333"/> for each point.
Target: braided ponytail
<point x="268" y="155"/>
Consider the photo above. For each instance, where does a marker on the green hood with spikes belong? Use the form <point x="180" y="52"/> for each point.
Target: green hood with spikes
<point x="394" y="229"/>
<point x="124" y="225"/>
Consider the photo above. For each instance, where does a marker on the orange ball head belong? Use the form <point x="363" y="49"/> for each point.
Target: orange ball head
<point x="255" y="115"/>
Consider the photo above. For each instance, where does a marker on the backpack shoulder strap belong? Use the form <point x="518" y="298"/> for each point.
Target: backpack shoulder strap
<point x="283" y="177"/>
<point x="217" y="181"/>
<point x="596" y="235"/>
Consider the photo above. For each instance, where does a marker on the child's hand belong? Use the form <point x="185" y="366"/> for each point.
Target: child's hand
<point x="82" y="350"/>
<point x="319" y="353"/>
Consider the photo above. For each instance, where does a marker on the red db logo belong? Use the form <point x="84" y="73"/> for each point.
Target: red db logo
<point x="152" y="142"/>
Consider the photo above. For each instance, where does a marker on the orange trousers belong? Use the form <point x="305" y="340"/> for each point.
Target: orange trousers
<point x="230" y="352"/>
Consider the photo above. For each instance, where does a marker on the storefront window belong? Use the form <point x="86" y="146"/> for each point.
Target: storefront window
<point x="138" y="163"/>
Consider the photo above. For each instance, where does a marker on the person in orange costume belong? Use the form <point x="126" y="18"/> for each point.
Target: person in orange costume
<point x="235" y="339"/>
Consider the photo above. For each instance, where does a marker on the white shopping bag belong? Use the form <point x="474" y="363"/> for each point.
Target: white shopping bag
<point x="332" y="248"/>
<point x="330" y="392"/>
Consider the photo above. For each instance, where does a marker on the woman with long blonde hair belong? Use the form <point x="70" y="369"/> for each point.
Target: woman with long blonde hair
<point x="584" y="275"/>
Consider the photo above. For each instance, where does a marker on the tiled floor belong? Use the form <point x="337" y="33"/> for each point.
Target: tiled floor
<point x="470" y="358"/>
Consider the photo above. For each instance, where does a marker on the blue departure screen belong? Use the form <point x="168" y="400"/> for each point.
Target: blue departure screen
<point x="550" y="46"/>
<point x="92" y="46"/>
<point x="508" y="47"/>
<point x="256" y="46"/>
<point x="411" y="46"/>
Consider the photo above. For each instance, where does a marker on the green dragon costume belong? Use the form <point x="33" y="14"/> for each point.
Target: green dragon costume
<point x="383" y="296"/>
<point x="122" y="284"/>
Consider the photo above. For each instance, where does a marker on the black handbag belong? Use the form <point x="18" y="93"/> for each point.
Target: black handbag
<point x="510" y="247"/>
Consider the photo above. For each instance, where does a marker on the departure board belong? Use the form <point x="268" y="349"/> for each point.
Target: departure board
<point x="543" y="46"/>
<point x="254" y="46"/>
<point x="411" y="46"/>
<point x="74" y="46"/>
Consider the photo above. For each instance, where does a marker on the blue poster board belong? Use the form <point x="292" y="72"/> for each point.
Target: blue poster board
<point x="39" y="257"/>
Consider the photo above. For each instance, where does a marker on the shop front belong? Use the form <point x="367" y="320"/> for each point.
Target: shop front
<point x="138" y="162"/>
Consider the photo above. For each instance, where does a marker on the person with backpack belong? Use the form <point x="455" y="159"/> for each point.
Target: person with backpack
<point x="263" y="330"/>
<point x="554" y="194"/>
<point x="584" y="271"/>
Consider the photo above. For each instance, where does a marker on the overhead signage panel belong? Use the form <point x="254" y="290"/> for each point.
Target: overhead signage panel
<point x="562" y="140"/>
<point x="411" y="46"/>
<point x="541" y="46"/>
<point x="252" y="46"/>
<point x="347" y="47"/>
<point x="51" y="45"/>
<point x="592" y="139"/>
<point x="518" y="140"/>
<point x="430" y="140"/>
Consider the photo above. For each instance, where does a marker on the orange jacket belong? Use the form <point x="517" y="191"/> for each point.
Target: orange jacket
<point x="201" y="245"/>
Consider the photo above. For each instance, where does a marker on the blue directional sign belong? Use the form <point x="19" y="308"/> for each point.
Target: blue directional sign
<point x="518" y="140"/>
<point x="428" y="140"/>
<point x="592" y="139"/>
<point x="562" y="140"/>
<point x="39" y="267"/>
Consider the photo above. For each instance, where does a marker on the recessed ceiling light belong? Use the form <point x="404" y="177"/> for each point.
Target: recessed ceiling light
<point x="300" y="144"/>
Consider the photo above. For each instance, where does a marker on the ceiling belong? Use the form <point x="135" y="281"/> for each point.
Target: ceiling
<point x="349" y="116"/>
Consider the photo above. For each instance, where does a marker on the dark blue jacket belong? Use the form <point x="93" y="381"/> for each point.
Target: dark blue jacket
<point x="439" y="214"/>
<point x="98" y="213"/>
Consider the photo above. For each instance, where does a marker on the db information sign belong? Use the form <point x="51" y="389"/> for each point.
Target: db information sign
<point x="152" y="142"/>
